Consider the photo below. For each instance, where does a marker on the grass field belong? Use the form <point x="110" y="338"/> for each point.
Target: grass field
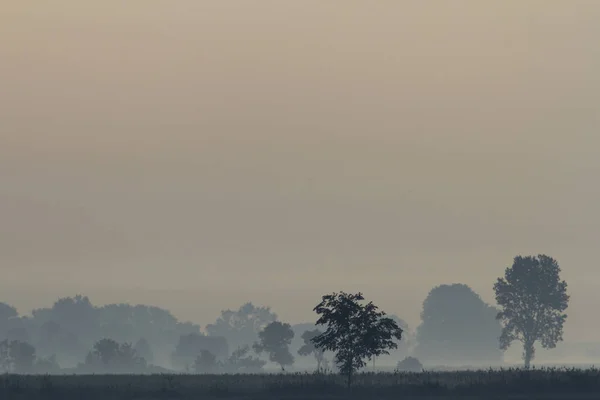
<point x="504" y="384"/>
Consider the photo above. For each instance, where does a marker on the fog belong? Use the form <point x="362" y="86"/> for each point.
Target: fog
<point x="199" y="155"/>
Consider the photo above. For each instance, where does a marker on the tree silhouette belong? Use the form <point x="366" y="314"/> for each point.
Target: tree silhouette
<point x="458" y="327"/>
<point x="355" y="332"/>
<point x="23" y="356"/>
<point x="205" y="363"/>
<point x="275" y="340"/>
<point x="110" y="356"/>
<point x="190" y="346"/>
<point x="16" y="356"/>
<point x="241" y="327"/>
<point x="533" y="300"/>
<point x="309" y="347"/>
<point x="409" y="364"/>
<point x="6" y="312"/>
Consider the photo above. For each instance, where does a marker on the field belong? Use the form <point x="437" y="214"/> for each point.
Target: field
<point x="498" y="384"/>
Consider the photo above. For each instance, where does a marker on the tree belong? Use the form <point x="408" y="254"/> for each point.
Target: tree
<point x="403" y="346"/>
<point x="458" y="327"/>
<point x="5" y="358"/>
<point x="74" y="314"/>
<point x="355" y="332"/>
<point x="110" y="356"/>
<point x="275" y="340"/>
<point x="107" y="351"/>
<point x="51" y="339"/>
<point x="190" y="346"/>
<point x="205" y="363"/>
<point x="241" y="327"/>
<point x="16" y="356"/>
<point x="7" y="312"/>
<point x="533" y="300"/>
<point x="309" y="347"/>
<point x="23" y="357"/>
<point x="409" y="364"/>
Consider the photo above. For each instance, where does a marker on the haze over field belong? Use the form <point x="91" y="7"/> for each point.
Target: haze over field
<point x="197" y="155"/>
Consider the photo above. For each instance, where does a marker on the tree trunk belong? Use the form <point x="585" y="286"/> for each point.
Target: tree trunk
<point x="318" y="365"/>
<point x="349" y="378"/>
<point x="528" y="352"/>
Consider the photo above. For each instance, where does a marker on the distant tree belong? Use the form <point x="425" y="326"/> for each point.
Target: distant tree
<point x="17" y="357"/>
<point x="23" y="357"/>
<point x="191" y="345"/>
<point x="241" y="362"/>
<point x="241" y="327"/>
<point x="5" y="358"/>
<point x="206" y="363"/>
<point x="110" y="356"/>
<point x="116" y="321"/>
<point x="458" y="327"/>
<point x="129" y="359"/>
<point x="127" y="323"/>
<point x="51" y="338"/>
<point x="404" y="345"/>
<point x="355" y="332"/>
<point x="143" y="349"/>
<point x="533" y="299"/>
<point x="76" y="315"/>
<point x="107" y="351"/>
<point x="410" y="364"/>
<point x="7" y="312"/>
<point x="18" y="328"/>
<point x="47" y="365"/>
<point x="309" y="347"/>
<point x="275" y="340"/>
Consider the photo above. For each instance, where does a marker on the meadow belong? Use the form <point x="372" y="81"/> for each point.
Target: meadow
<point x="549" y="383"/>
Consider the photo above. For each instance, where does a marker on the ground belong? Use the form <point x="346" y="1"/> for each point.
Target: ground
<point x="556" y="384"/>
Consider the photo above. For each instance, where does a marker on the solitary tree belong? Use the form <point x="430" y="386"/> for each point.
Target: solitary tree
<point x="533" y="300"/>
<point x="309" y="347"/>
<point x="275" y="340"/>
<point x="355" y="332"/>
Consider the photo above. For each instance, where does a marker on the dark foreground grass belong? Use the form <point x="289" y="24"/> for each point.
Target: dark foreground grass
<point x="498" y="384"/>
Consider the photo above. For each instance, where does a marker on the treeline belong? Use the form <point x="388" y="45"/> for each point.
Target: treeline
<point x="74" y="335"/>
<point x="457" y="328"/>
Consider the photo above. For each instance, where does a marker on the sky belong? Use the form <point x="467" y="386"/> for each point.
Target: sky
<point x="200" y="154"/>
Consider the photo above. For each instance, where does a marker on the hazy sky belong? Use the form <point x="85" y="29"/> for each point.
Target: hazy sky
<point x="196" y="155"/>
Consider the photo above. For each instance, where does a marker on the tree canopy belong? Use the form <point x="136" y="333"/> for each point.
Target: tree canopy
<point x="533" y="299"/>
<point x="458" y="327"/>
<point x="241" y="327"/>
<point x="355" y="332"/>
<point x="275" y="340"/>
<point x="309" y="347"/>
